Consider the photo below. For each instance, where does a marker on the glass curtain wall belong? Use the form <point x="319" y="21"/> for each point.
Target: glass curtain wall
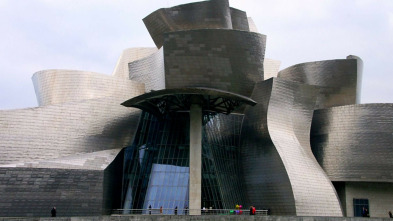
<point x="221" y="184"/>
<point x="156" y="171"/>
<point x="156" y="166"/>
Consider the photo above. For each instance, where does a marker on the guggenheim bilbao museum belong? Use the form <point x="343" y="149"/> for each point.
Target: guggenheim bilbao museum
<point x="201" y="120"/>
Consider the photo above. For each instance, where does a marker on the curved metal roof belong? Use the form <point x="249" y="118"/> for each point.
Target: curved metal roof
<point x="180" y="99"/>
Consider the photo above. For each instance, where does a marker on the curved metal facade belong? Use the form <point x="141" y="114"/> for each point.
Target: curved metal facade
<point x="149" y="70"/>
<point x="130" y="55"/>
<point x="54" y="131"/>
<point x="62" y="86"/>
<point x="239" y="20"/>
<point x="285" y="124"/>
<point x="355" y="142"/>
<point x="266" y="181"/>
<point x="64" y="155"/>
<point x="302" y="150"/>
<point x="199" y="15"/>
<point x="222" y="59"/>
<point x="338" y="80"/>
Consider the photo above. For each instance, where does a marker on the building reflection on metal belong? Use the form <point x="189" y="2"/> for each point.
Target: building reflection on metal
<point x="305" y="146"/>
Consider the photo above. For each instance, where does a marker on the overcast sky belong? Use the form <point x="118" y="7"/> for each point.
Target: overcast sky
<point x="91" y="34"/>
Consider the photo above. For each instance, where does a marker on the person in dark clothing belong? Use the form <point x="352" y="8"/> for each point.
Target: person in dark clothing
<point x="53" y="212"/>
<point x="176" y="210"/>
<point x="390" y="214"/>
<point x="365" y="212"/>
<point x="149" y="209"/>
<point x="251" y="210"/>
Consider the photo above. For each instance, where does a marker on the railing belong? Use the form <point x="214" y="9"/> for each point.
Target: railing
<point x="166" y="211"/>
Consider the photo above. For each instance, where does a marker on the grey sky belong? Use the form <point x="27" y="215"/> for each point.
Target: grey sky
<point x="90" y="35"/>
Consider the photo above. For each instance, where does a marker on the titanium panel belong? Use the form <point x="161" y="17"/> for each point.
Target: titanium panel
<point x="288" y="121"/>
<point x="354" y="142"/>
<point x="62" y="86"/>
<point x="54" y="131"/>
<point x="206" y="14"/>
<point x="289" y="118"/>
<point x="239" y="20"/>
<point x="130" y="55"/>
<point x="266" y="181"/>
<point x="228" y="60"/>
<point x="98" y="160"/>
<point x="149" y="70"/>
<point x="338" y="80"/>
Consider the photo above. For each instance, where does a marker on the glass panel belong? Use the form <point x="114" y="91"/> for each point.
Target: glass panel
<point x="361" y="208"/>
<point x="156" y="168"/>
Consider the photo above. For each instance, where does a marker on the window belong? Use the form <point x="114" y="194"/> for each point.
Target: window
<point x="358" y="205"/>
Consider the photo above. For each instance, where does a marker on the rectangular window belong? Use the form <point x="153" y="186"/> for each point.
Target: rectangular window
<point x="358" y="205"/>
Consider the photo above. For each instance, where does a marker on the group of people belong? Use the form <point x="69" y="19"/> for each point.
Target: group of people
<point x="175" y="210"/>
<point x="365" y="212"/>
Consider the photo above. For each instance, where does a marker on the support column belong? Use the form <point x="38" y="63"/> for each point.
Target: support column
<point x="195" y="194"/>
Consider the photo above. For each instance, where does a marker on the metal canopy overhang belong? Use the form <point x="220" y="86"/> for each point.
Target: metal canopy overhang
<point x="180" y="99"/>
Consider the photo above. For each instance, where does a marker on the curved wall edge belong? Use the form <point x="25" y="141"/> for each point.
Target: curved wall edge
<point x="62" y="86"/>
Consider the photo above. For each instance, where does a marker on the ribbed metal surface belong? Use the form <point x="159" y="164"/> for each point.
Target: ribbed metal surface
<point x="228" y="60"/>
<point x="355" y="142"/>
